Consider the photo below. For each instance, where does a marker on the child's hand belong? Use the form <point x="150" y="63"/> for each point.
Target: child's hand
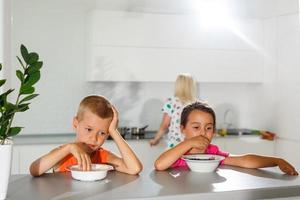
<point x="287" y="167"/>
<point x="80" y="152"/>
<point x="153" y="142"/>
<point x="200" y="142"/>
<point x="114" y="123"/>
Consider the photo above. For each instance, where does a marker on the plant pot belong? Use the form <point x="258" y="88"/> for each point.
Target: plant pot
<point x="5" y="158"/>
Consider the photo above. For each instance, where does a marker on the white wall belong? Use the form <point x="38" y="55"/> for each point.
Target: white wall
<point x="63" y="83"/>
<point x="5" y="41"/>
<point x="288" y="86"/>
<point x="1" y="33"/>
<point x="57" y="34"/>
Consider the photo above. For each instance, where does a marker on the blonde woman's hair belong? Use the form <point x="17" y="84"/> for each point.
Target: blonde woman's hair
<point x="185" y="88"/>
<point x="96" y="104"/>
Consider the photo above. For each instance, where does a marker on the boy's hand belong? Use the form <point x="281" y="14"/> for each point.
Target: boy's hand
<point x="287" y="167"/>
<point x="200" y="142"/>
<point x="80" y="152"/>
<point x="114" y="123"/>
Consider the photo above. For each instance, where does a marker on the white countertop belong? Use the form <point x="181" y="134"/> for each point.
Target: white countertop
<point x="67" y="137"/>
<point x="225" y="183"/>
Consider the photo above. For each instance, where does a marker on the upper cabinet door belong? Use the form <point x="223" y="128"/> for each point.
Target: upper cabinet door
<point x="131" y="46"/>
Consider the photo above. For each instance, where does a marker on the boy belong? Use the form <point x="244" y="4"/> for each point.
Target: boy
<point x="95" y="120"/>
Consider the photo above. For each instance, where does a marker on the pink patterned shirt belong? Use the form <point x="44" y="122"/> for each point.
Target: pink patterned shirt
<point x="211" y="149"/>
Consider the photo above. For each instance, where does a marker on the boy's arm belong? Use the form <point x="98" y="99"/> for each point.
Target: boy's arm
<point x="128" y="163"/>
<point x="257" y="161"/>
<point x="46" y="162"/>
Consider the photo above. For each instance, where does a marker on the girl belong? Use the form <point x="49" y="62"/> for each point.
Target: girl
<point x="185" y="92"/>
<point x="198" y="125"/>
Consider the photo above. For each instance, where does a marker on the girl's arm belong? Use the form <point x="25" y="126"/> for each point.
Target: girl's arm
<point x="128" y="163"/>
<point x="257" y="161"/>
<point x="166" y="159"/>
<point x="48" y="161"/>
<point x="162" y="129"/>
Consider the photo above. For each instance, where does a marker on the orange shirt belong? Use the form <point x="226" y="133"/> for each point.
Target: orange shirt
<point x="98" y="157"/>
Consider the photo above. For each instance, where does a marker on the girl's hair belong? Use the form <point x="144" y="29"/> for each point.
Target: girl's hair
<point x="98" y="105"/>
<point x="197" y="105"/>
<point x="185" y="88"/>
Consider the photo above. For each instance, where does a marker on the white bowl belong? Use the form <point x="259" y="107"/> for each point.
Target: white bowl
<point x="203" y="162"/>
<point x="98" y="172"/>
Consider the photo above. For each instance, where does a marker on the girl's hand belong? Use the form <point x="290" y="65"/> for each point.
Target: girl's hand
<point x="199" y="142"/>
<point x="153" y="142"/>
<point x="114" y="123"/>
<point x="80" y="152"/>
<point x="287" y="167"/>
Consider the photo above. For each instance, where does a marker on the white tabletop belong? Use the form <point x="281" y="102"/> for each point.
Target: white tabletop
<point x="225" y="183"/>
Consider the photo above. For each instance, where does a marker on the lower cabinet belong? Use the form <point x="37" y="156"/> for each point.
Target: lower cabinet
<point x="24" y="155"/>
<point x="247" y="144"/>
<point x="146" y="153"/>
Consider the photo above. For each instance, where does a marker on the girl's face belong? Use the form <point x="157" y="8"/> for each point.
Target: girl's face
<point x="91" y="129"/>
<point x="199" y="123"/>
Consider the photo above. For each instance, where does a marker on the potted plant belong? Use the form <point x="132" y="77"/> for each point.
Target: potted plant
<point x="28" y="75"/>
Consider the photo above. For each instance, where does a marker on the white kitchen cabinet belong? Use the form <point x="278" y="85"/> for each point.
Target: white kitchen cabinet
<point x="144" y="151"/>
<point x="131" y="46"/>
<point x="25" y="154"/>
<point x="245" y="144"/>
<point x="249" y="144"/>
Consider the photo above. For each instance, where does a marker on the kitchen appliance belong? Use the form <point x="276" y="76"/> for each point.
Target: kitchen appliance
<point x="138" y="131"/>
<point x="122" y="130"/>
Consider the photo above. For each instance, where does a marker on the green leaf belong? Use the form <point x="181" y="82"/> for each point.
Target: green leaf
<point x="14" y="131"/>
<point x="35" y="67"/>
<point x="0" y="66"/>
<point x="2" y="82"/>
<point x="10" y="108"/>
<point x="29" y="97"/>
<point x="24" y="53"/>
<point x="26" y="89"/>
<point x="3" y="121"/>
<point x="31" y="79"/>
<point x="8" y="92"/>
<point x="23" y="107"/>
<point x="3" y="97"/>
<point x="20" y="61"/>
<point x="20" y="75"/>
<point x="33" y="58"/>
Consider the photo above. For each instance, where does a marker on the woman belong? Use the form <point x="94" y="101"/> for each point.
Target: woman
<point x="185" y="92"/>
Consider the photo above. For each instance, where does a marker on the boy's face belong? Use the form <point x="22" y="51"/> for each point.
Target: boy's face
<point x="91" y="129"/>
<point x="199" y="123"/>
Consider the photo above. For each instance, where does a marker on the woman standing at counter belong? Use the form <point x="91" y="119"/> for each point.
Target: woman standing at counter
<point x="185" y="92"/>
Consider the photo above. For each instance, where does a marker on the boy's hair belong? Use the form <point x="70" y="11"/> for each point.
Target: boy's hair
<point x="185" y="88"/>
<point x="197" y="105"/>
<point x="98" y="105"/>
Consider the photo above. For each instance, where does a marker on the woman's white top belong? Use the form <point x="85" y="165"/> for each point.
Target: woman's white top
<point x="173" y="108"/>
